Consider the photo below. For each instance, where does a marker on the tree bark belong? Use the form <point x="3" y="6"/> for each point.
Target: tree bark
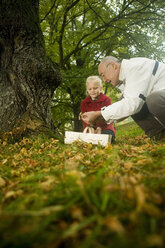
<point x="28" y="77"/>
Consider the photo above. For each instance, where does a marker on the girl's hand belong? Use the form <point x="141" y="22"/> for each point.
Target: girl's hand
<point x="98" y="130"/>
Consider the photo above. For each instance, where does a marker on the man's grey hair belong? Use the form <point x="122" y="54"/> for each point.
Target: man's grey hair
<point x="108" y="59"/>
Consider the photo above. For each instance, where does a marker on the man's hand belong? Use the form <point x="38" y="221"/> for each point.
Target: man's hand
<point x="92" y="117"/>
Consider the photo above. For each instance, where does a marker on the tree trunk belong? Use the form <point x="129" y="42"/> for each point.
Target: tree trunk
<point x="27" y="76"/>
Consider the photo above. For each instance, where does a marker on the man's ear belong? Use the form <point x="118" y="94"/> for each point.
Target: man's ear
<point x="113" y="64"/>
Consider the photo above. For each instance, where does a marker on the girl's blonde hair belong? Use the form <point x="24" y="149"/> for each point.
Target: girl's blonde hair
<point x="94" y="79"/>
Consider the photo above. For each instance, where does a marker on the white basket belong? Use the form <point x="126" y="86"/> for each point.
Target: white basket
<point x="102" y="139"/>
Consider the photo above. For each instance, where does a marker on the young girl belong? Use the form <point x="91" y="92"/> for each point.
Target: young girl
<point x="94" y="102"/>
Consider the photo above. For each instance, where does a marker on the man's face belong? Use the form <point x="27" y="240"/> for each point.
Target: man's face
<point x="110" y="73"/>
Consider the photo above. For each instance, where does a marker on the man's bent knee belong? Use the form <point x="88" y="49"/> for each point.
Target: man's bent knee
<point x="156" y="101"/>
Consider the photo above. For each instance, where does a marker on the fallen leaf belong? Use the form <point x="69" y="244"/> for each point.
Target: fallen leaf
<point x="154" y="240"/>
<point x="76" y="174"/>
<point x="128" y="165"/>
<point x="145" y="161"/>
<point x="140" y="196"/>
<point x="114" y="224"/>
<point x="12" y="194"/>
<point x="77" y="213"/>
<point x="2" y="182"/>
<point x="4" y="161"/>
<point x="48" y="183"/>
<point x="152" y="210"/>
<point x="4" y="143"/>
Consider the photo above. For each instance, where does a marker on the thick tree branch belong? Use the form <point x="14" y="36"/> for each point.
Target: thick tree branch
<point x="48" y="12"/>
<point x="63" y="28"/>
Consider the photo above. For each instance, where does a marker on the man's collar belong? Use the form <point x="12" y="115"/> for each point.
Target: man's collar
<point x="121" y="76"/>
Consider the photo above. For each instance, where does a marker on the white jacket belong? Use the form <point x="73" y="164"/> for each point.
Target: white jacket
<point x="137" y="78"/>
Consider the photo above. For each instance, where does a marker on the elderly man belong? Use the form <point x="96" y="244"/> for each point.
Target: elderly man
<point x="142" y="83"/>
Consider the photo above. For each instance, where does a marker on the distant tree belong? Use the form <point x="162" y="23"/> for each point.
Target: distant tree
<point x="79" y="33"/>
<point x="28" y="77"/>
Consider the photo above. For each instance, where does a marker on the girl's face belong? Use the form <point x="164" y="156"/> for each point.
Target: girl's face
<point x="93" y="89"/>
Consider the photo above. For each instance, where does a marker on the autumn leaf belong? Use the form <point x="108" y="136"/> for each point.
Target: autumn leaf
<point x="2" y="182"/>
<point x="152" y="210"/>
<point x="154" y="240"/>
<point x="4" y="161"/>
<point x="140" y="196"/>
<point x="48" y="183"/>
<point x="114" y="224"/>
<point x="12" y="194"/>
<point x="77" y="213"/>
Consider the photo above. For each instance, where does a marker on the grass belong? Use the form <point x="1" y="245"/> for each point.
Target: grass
<point x="81" y="195"/>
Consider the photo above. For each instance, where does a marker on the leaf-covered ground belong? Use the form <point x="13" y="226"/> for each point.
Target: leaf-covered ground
<point x="81" y="195"/>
